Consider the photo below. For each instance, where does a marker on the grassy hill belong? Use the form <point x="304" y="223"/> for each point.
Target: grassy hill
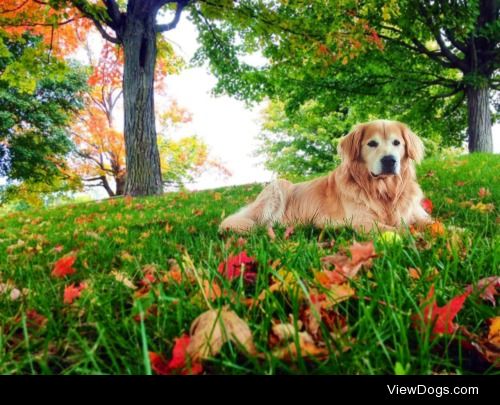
<point x="150" y="267"/>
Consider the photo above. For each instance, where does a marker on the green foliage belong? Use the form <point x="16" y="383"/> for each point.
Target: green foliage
<point x="354" y="61"/>
<point x="38" y="97"/>
<point x="181" y="160"/>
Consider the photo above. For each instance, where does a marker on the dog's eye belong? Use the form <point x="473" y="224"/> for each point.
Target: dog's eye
<point x="396" y="143"/>
<point x="372" y="144"/>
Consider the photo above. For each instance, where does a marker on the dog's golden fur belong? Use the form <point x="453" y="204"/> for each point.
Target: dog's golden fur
<point x="351" y="194"/>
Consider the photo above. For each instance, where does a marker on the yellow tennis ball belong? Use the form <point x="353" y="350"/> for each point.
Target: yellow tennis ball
<point x="390" y="237"/>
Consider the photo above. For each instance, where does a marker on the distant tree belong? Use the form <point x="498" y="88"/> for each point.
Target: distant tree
<point x="38" y="97"/>
<point x="99" y="154"/>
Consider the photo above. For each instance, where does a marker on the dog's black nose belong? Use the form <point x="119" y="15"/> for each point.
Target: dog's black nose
<point x="388" y="164"/>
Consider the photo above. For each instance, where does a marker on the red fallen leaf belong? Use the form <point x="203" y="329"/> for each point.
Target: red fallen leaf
<point x="148" y="279"/>
<point x="427" y="205"/>
<point x="234" y="266"/>
<point x="178" y="363"/>
<point x="487" y="287"/>
<point x="441" y="317"/>
<point x="158" y="364"/>
<point x="63" y="267"/>
<point x="71" y="292"/>
<point x="484" y="192"/>
<point x="35" y="319"/>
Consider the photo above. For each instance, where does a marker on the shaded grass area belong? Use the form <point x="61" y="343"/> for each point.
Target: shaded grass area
<point x="110" y="330"/>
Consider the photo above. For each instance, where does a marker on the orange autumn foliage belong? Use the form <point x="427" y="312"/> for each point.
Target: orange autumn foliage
<point x="62" y="30"/>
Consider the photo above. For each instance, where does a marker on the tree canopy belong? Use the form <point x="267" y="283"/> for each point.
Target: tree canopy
<point x="39" y="96"/>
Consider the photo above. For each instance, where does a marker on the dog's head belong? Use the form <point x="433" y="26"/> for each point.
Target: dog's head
<point x="382" y="147"/>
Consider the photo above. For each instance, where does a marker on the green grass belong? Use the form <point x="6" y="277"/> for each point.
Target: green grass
<point x="101" y="333"/>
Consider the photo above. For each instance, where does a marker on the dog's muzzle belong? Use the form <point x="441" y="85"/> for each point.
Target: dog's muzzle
<point x="388" y="164"/>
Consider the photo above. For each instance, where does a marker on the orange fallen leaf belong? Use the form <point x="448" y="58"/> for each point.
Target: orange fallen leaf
<point x="437" y="228"/>
<point x="72" y="292"/>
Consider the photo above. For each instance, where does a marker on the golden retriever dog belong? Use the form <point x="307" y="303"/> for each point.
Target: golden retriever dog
<point x="374" y="187"/>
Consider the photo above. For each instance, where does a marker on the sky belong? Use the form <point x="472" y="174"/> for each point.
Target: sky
<point x="227" y="126"/>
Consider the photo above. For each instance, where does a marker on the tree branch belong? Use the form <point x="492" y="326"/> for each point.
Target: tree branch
<point x="82" y="7"/>
<point x="454" y="59"/>
<point x="114" y="14"/>
<point x="181" y="4"/>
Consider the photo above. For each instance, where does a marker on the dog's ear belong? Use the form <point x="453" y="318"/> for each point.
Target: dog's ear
<point x="350" y="146"/>
<point x="414" y="146"/>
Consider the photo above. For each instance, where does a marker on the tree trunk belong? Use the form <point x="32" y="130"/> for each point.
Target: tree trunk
<point x="120" y="184"/>
<point x="142" y="156"/>
<point x="479" y="119"/>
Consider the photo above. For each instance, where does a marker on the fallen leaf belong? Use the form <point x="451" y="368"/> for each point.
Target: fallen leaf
<point x="484" y="192"/>
<point x="362" y="252"/>
<point x="180" y="358"/>
<point x="483" y="208"/>
<point x="64" y="267"/>
<point x="437" y="229"/>
<point x="72" y="292"/>
<point x="122" y="278"/>
<point x="158" y="364"/>
<point x="441" y="318"/>
<point x="212" y="290"/>
<point x="487" y="288"/>
<point x="213" y="328"/>
<point x="347" y="268"/>
<point x="306" y="348"/>
<point x="237" y="265"/>
<point x="488" y="346"/>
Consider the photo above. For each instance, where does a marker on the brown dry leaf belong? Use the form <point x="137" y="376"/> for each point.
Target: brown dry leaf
<point x="285" y="331"/>
<point x="122" y="278"/>
<point x="487" y="288"/>
<point x="306" y="348"/>
<point x="361" y="255"/>
<point x="213" y="328"/>
<point x="415" y="273"/>
<point x="362" y="252"/>
<point x="488" y="346"/>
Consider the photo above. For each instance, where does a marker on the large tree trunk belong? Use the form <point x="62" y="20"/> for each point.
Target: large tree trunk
<point x="142" y="156"/>
<point x="479" y="120"/>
